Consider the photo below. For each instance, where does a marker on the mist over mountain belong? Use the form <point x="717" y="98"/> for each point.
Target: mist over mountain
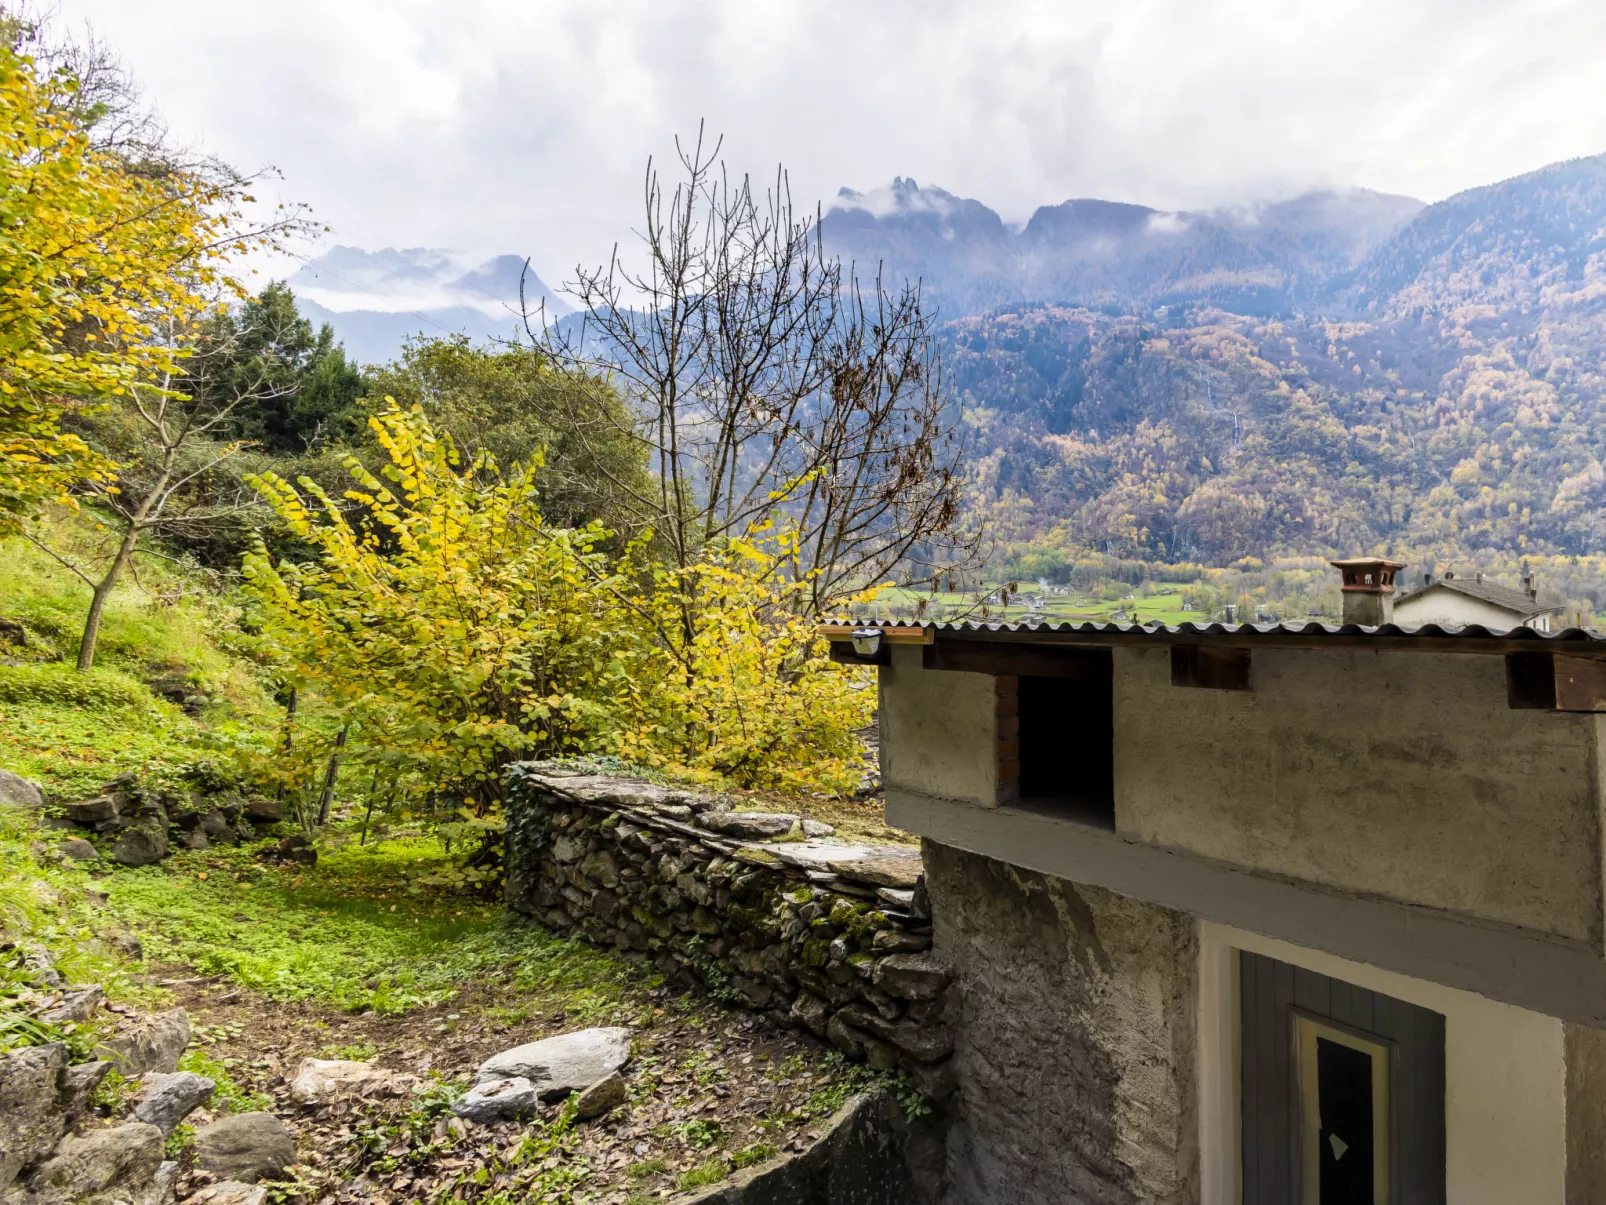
<point x="1261" y="259"/>
<point x="376" y="300"/>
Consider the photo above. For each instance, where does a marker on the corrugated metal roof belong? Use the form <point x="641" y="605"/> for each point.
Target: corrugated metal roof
<point x="1454" y="638"/>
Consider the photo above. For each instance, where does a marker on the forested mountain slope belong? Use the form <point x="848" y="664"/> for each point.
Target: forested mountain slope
<point x="1327" y="379"/>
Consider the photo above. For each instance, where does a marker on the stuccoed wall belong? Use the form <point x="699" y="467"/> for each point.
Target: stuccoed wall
<point x="1406" y="777"/>
<point x="938" y="730"/>
<point x="818" y="933"/>
<point x="1074" y="1019"/>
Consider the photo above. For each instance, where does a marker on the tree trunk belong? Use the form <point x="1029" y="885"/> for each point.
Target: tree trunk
<point x="329" y="778"/>
<point x="103" y="591"/>
<point x="153" y="500"/>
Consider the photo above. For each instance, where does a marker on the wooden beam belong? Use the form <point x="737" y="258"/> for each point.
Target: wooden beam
<point x="1024" y="661"/>
<point x="889" y="635"/>
<point x="1555" y="682"/>
<point x="1209" y="668"/>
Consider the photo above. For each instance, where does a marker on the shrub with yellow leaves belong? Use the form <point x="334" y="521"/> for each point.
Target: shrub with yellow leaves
<point x="453" y="631"/>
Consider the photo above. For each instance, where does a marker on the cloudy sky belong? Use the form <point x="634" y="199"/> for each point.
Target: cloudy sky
<point x="488" y="126"/>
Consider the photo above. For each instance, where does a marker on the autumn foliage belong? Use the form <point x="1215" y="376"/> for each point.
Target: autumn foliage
<point x="94" y="253"/>
<point x="454" y="631"/>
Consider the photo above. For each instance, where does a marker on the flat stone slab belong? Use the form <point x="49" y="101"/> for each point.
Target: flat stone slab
<point x="882" y="868"/>
<point x="570" y="1062"/>
<point x="748" y="824"/>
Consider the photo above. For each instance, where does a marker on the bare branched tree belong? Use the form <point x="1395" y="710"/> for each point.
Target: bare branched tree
<point x="168" y="475"/>
<point x="765" y="377"/>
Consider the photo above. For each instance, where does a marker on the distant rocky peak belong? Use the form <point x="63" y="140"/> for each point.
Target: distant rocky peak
<point x="904" y="196"/>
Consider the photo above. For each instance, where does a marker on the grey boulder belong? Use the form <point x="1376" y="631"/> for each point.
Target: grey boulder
<point x="79" y="850"/>
<point x="265" y="811"/>
<point x="31" y="1119"/>
<point x="141" y="844"/>
<point x="247" y="1147"/>
<point x="150" y="1044"/>
<point x="498" y="1100"/>
<point x="558" y="1066"/>
<point x="169" y="1099"/>
<point x="96" y="810"/>
<point x="101" y="1167"/>
<point x="748" y="824"/>
<point x="19" y="791"/>
<point x="217" y="828"/>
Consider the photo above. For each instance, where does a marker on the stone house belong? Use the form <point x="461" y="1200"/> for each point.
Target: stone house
<point x="1260" y="915"/>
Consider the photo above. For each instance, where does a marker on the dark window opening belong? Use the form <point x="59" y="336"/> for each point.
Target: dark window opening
<point x="1067" y="743"/>
<point x="1347" y="1162"/>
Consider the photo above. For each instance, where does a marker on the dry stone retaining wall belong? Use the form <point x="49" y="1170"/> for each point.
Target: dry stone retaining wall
<point x="819" y="933"/>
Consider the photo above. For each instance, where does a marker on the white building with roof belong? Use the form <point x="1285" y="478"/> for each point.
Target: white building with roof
<point x="1458" y="601"/>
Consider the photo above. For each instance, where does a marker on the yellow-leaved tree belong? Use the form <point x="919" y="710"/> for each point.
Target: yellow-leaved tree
<point x="733" y="684"/>
<point x="93" y="252"/>
<point x="449" y="630"/>
<point x="441" y="619"/>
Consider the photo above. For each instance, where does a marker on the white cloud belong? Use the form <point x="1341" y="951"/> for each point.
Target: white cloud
<point x="486" y="126"/>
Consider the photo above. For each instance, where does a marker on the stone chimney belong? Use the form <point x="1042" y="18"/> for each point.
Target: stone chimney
<point x="1368" y="589"/>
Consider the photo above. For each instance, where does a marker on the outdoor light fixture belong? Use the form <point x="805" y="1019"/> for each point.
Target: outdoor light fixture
<point x="867" y="641"/>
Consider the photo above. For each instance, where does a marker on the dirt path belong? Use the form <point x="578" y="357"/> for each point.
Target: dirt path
<point x="711" y="1089"/>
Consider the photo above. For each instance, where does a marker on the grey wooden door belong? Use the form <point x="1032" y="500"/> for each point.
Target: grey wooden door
<point x="1312" y="1045"/>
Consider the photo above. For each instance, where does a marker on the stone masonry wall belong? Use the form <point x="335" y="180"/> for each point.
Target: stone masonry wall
<point x="1073" y="1017"/>
<point x="818" y="933"/>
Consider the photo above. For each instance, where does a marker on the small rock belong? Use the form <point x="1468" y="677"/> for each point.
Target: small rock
<point x="318" y="1081"/>
<point x="142" y="844"/>
<point x="120" y="1164"/>
<point x="19" y="791"/>
<point x="602" y="1096"/>
<point x="265" y="811"/>
<point x="94" y="811"/>
<point x="748" y="824"/>
<point x="246" y="1146"/>
<point x="169" y="1099"/>
<point x="811" y="1013"/>
<point x="897" y="897"/>
<point x="295" y="848"/>
<point x="845" y="1037"/>
<point x="79" y="849"/>
<point x="896" y="941"/>
<point x="817" y="828"/>
<point x="79" y="1004"/>
<point x="560" y="1065"/>
<point x="229" y="1192"/>
<point x="498" y="1100"/>
<point x="196" y="839"/>
<point x="152" y="1044"/>
<point x="912" y="976"/>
